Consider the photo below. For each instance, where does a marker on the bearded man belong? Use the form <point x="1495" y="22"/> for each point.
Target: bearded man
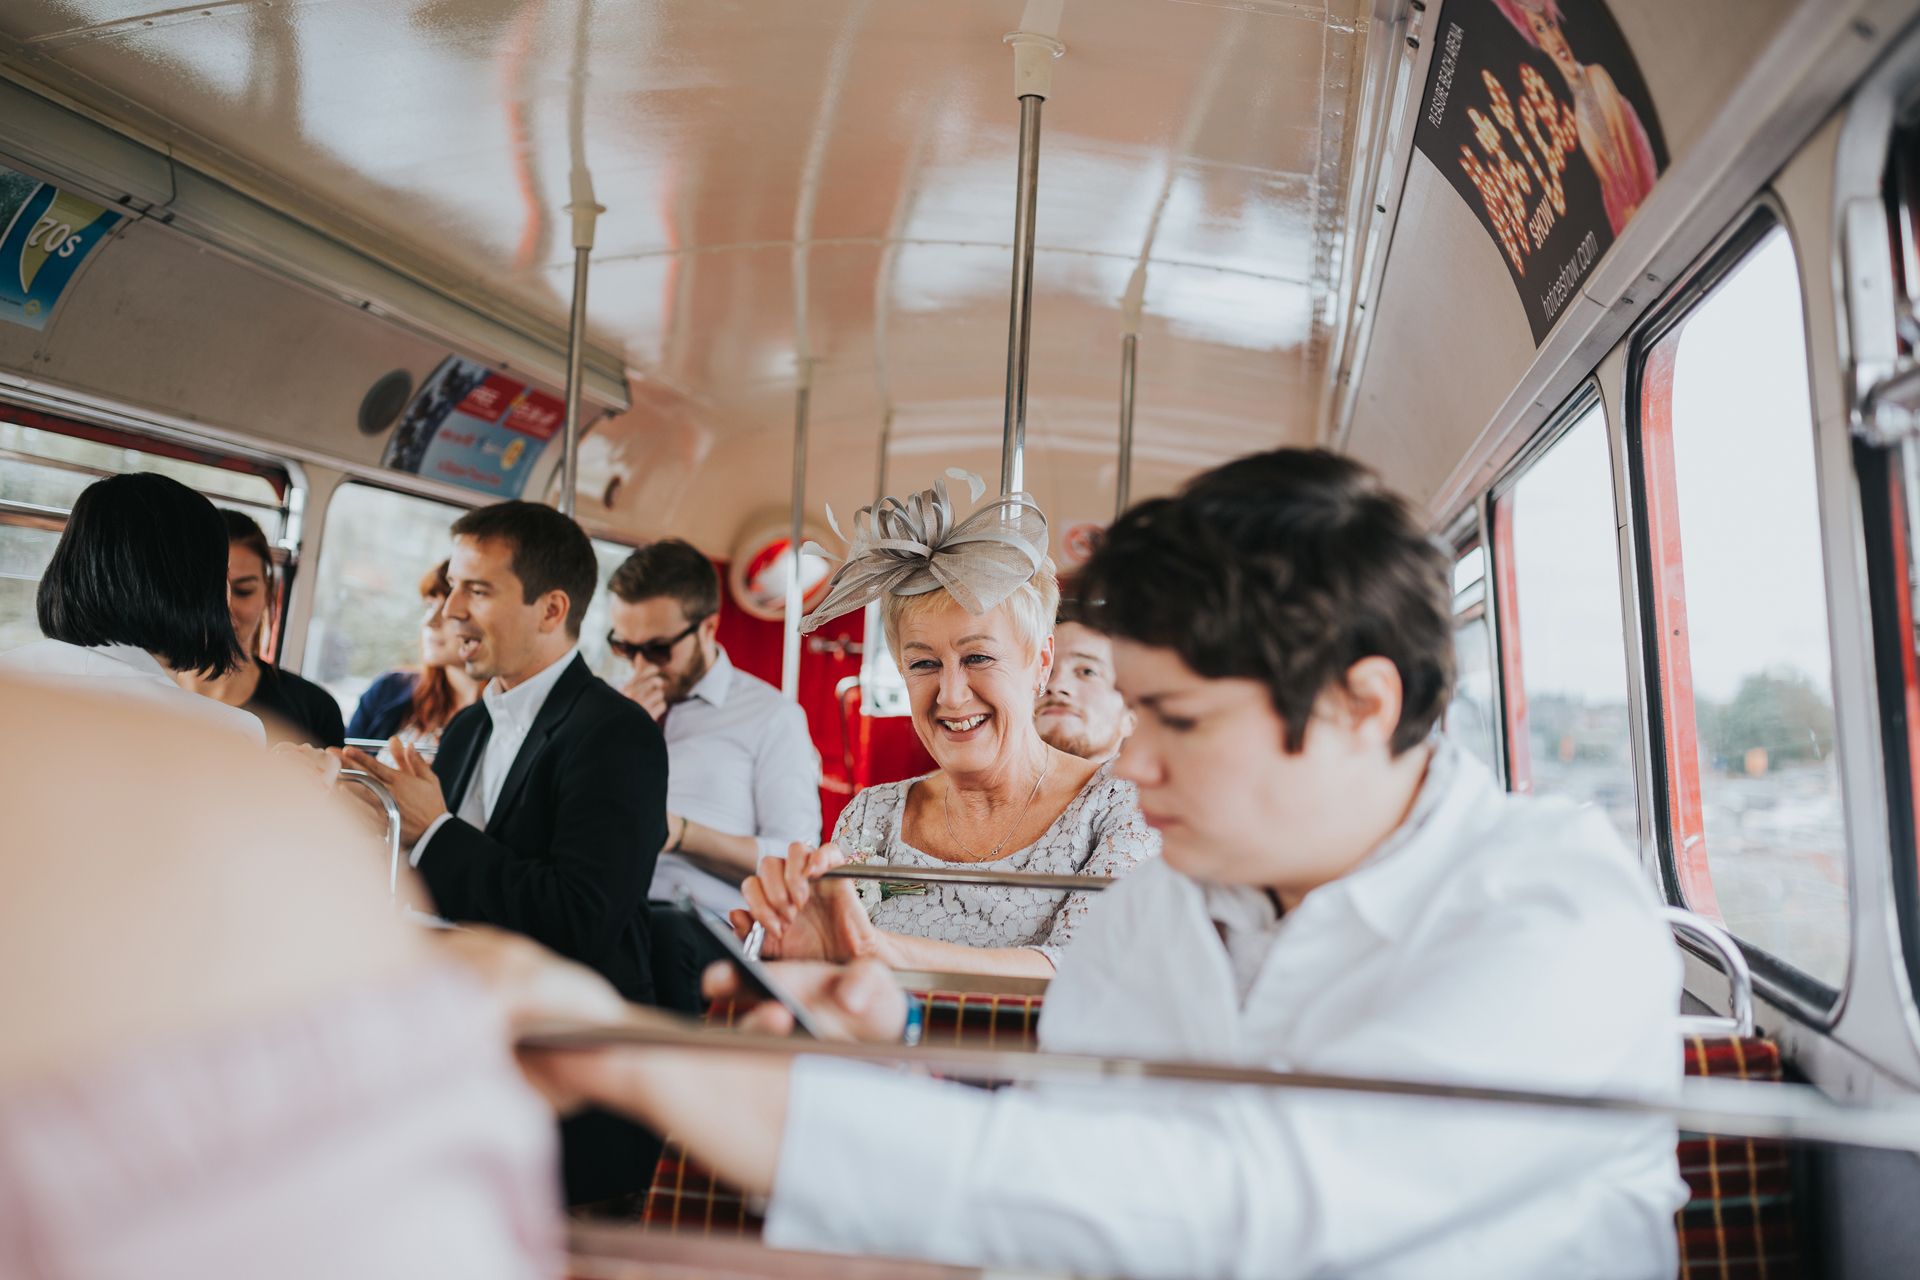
<point x="1081" y="712"/>
<point x="743" y="775"/>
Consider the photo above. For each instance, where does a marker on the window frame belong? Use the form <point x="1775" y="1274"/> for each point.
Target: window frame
<point x="1674" y="773"/>
<point x="1887" y="472"/>
<point x="444" y="496"/>
<point x="1509" y="651"/>
<point x="286" y="477"/>
<point x="1470" y="529"/>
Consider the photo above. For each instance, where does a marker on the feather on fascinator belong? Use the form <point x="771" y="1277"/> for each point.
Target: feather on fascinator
<point x="914" y="547"/>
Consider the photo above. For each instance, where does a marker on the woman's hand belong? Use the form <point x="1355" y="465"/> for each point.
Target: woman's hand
<point x="859" y="1001"/>
<point x="806" y="917"/>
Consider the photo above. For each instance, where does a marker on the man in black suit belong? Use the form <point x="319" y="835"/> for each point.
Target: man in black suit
<point x="546" y="807"/>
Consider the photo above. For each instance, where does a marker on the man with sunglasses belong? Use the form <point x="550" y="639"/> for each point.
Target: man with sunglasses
<point x="743" y="776"/>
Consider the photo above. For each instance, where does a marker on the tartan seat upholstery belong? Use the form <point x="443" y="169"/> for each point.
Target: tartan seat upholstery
<point x="686" y="1196"/>
<point x="1739" y="1222"/>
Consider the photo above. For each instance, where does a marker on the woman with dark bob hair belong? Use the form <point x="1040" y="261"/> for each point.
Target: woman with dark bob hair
<point x="1341" y="890"/>
<point x="292" y="709"/>
<point x="135" y="593"/>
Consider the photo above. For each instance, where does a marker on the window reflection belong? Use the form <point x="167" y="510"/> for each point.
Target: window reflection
<point x="1564" y="643"/>
<point x="1470" y="716"/>
<point x="1727" y="437"/>
<point x="376" y="546"/>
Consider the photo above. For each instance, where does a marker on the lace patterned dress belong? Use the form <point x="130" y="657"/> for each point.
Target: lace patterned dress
<point x="1101" y="833"/>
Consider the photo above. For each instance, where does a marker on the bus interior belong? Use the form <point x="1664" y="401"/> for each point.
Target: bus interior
<point x="1664" y="421"/>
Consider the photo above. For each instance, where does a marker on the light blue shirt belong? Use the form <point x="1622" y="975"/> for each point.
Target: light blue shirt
<point x="739" y="760"/>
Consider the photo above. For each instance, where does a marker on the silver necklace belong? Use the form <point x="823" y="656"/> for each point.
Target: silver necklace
<point x="995" y="851"/>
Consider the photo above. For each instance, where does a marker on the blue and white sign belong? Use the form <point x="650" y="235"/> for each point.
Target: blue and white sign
<point x="49" y="232"/>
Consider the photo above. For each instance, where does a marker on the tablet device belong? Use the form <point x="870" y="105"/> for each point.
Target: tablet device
<point x="759" y="978"/>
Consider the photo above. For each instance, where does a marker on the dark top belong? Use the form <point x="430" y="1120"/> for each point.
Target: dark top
<point x="568" y="854"/>
<point x="566" y="859"/>
<point x="296" y="710"/>
<point x="383" y="707"/>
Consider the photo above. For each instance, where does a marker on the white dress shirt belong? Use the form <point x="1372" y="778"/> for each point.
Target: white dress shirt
<point x="513" y="711"/>
<point x="122" y="671"/>
<point x="739" y="760"/>
<point x="1492" y="940"/>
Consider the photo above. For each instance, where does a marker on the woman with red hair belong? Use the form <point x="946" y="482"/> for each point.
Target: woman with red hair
<point x="417" y="703"/>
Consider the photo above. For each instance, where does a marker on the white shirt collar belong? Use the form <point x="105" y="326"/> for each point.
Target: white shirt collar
<point x="519" y="706"/>
<point x="1401" y="873"/>
<point x="137" y="658"/>
<point x="1393" y="880"/>
<point x="714" y="685"/>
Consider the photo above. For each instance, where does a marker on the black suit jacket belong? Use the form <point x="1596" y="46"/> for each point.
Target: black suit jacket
<point x="569" y="851"/>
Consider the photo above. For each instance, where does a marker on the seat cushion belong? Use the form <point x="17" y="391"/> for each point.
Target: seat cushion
<point x="1739" y="1222"/>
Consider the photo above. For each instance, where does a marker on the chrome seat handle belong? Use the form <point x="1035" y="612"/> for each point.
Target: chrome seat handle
<point x="387" y="802"/>
<point x="1732" y="960"/>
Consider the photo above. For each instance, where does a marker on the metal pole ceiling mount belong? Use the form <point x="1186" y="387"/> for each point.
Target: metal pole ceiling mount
<point x="1035" y="46"/>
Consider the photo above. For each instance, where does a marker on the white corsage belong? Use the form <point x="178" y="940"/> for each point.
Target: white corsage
<point x="868" y="891"/>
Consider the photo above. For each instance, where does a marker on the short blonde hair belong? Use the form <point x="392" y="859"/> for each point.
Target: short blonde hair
<point x="1031" y="607"/>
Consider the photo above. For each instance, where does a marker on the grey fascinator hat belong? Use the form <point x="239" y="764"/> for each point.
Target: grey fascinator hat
<point x="911" y="548"/>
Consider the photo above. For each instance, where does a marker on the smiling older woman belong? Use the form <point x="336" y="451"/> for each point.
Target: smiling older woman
<point x="968" y="612"/>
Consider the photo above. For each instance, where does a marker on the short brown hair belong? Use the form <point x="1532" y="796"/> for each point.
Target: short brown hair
<point x="1287" y="568"/>
<point x="672" y="568"/>
<point x="550" y="552"/>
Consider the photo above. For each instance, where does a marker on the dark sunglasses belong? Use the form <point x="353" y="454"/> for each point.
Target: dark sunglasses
<point x="655" y="651"/>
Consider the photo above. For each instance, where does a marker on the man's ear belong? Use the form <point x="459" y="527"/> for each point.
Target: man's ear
<point x="1373" y="697"/>
<point x="1046" y="662"/>
<point x="553" y="610"/>
<point x="709" y="629"/>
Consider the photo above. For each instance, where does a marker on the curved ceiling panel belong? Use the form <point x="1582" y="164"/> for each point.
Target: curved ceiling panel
<point x="875" y="139"/>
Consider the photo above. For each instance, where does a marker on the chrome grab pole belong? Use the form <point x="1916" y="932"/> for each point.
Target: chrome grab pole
<point x="1013" y="439"/>
<point x="1123" y="476"/>
<point x="387" y="802"/>
<point x="1732" y="960"/>
<point x="962" y="875"/>
<point x="584" y="212"/>
<point x="796" y="595"/>
<point x="1130" y="306"/>
<point x="1737" y="1108"/>
<point x="1034" y="49"/>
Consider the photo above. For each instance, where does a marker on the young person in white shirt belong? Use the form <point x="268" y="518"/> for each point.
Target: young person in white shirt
<point x="743" y="778"/>
<point x="1341" y="890"/>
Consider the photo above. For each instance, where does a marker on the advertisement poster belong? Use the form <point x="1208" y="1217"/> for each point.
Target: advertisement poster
<point x="1536" y="112"/>
<point x="476" y="428"/>
<point x="49" y="232"/>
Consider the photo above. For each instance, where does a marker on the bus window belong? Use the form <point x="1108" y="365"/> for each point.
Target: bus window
<point x="1470" y="720"/>
<point x="1726" y="444"/>
<point x="366" y="605"/>
<point x="599" y="620"/>
<point x="43" y="470"/>
<point x="1562" y="642"/>
<point x="376" y="547"/>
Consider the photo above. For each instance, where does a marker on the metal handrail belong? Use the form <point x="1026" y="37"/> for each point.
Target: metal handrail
<point x="895" y="874"/>
<point x="1733" y="961"/>
<point x="392" y="807"/>
<point x="1734" y="1108"/>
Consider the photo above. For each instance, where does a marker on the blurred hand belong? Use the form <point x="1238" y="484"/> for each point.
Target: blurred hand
<point x="322" y="766"/>
<point x="415" y="786"/>
<point x="532" y="984"/>
<point x="535" y="986"/>
<point x="807" y="918"/>
<point x="648" y="687"/>
<point x="859" y="1001"/>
